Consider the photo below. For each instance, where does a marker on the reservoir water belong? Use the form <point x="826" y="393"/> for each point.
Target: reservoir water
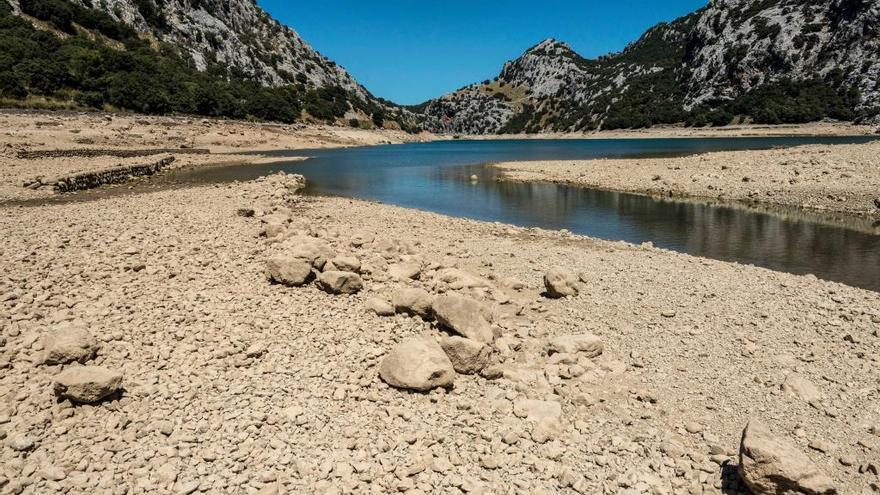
<point x="436" y="177"/>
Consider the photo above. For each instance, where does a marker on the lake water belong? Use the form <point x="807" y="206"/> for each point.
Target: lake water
<point x="436" y="177"/>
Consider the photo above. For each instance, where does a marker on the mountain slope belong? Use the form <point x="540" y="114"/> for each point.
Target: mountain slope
<point x="769" y="61"/>
<point x="232" y="46"/>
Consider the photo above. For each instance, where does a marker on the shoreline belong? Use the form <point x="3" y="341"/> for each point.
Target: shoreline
<point x="823" y="179"/>
<point x="216" y="359"/>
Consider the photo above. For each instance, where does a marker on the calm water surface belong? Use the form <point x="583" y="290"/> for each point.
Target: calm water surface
<point x="436" y="177"/>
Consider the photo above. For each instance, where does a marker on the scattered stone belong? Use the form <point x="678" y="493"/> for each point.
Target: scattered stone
<point x="537" y="410"/>
<point x="347" y="264"/>
<point x="467" y="356"/>
<point x="337" y="282"/>
<point x="87" y="384"/>
<point x="771" y="465"/>
<point x="417" y="363"/>
<point x="21" y="443"/>
<point x="588" y="344"/>
<point x="68" y="344"/>
<point x="560" y="283"/>
<point x="288" y="270"/>
<point x="245" y="212"/>
<point x="380" y="306"/>
<point x="799" y="386"/>
<point x="463" y="316"/>
<point x="413" y="301"/>
<point x="406" y="270"/>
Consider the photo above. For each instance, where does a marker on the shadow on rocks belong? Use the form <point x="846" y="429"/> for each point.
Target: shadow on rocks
<point x="731" y="482"/>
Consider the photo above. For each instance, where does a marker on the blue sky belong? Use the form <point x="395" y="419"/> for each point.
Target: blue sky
<point x="411" y="51"/>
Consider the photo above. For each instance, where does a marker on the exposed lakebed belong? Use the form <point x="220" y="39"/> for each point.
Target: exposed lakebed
<point x="437" y="177"/>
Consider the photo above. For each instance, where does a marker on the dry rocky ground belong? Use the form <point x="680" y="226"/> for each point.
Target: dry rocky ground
<point x="224" y="139"/>
<point x="199" y="375"/>
<point x="840" y="178"/>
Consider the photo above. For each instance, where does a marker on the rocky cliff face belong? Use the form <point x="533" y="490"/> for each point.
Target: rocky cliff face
<point x="234" y="39"/>
<point x="700" y="65"/>
<point x="738" y="45"/>
<point x="236" y="34"/>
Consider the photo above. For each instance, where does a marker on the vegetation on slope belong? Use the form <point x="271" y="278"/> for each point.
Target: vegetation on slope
<point x="88" y="59"/>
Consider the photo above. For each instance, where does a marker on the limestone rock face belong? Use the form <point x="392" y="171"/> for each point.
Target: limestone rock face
<point x="69" y="344"/>
<point x="560" y="283"/>
<point x="417" y="363"/>
<point x="288" y="270"/>
<point x="467" y="356"/>
<point x="463" y="316"/>
<point x="586" y="343"/>
<point x="770" y="465"/>
<point x="87" y="384"/>
<point x="336" y="282"/>
<point x="413" y="301"/>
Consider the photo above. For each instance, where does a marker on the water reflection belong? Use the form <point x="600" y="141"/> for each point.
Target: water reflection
<point x="436" y="177"/>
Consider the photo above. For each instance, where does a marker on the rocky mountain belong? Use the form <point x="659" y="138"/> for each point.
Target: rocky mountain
<point x="769" y="61"/>
<point x="234" y="39"/>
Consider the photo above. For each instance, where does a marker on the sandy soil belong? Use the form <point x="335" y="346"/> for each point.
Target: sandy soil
<point x="234" y="385"/>
<point x="840" y="178"/>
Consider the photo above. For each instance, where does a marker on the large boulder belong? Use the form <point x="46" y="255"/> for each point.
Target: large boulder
<point x="68" y="344"/>
<point x="418" y="363"/>
<point x="770" y="465"/>
<point x="311" y="249"/>
<point x="467" y="356"/>
<point x="288" y="270"/>
<point x="87" y="384"/>
<point x="584" y="343"/>
<point x="413" y="301"/>
<point x="463" y="316"/>
<point x="560" y="283"/>
<point x="336" y="282"/>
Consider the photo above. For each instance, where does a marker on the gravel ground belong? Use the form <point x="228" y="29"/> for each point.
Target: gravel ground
<point x="235" y="385"/>
<point x="840" y="178"/>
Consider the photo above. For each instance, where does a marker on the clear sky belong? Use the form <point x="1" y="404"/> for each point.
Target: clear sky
<point x="411" y="51"/>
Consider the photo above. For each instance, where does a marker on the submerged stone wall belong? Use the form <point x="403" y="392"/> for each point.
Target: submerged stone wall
<point x="91" y="153"/>
<point x="116" y="175"/>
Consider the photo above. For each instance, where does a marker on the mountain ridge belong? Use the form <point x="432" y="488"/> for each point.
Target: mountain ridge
<point x="765" y="61"/>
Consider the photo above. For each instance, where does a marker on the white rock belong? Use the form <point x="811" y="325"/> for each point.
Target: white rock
<point x="417" y="363"/>
<point x="413" y="301"/>
<point x="87" y="384"/>
<point x="463" y="316"/>
<point x="288" y="270"/>
<point x="467" y="356"/>
<point x="771" y="465"/>
<point x="68" y="344"/>
<point x="380" y="306"/>
<point x="588" y="344"/>
<point x="560" y="283"/>
<point x="338" y="282"/>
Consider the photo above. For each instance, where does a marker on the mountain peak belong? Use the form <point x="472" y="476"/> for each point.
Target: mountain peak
<point x="550" y="46"/>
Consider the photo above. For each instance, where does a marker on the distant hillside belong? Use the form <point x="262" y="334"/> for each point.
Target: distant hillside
<point x="209" y="57"/>
<point x="764" y="61"/>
